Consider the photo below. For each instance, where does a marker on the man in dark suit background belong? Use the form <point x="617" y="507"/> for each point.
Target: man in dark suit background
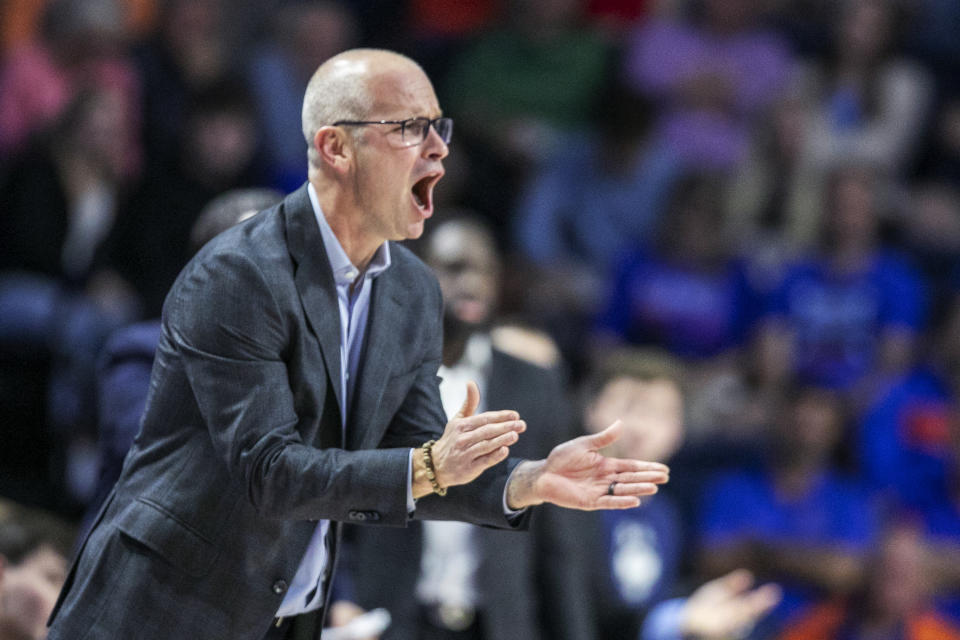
<point x="295" y="388"/>
<point x="475" y="582"/>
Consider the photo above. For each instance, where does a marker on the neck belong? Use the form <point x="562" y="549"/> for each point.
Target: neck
<point x="346" y="222"/>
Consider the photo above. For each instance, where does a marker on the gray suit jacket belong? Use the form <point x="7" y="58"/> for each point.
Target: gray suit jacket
<point x="241" y="448"/>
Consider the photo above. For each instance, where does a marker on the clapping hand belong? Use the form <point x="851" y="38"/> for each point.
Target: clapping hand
<point x="577" y="476"/>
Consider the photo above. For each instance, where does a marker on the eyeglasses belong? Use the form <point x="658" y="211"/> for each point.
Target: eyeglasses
<point x="413" y="131"/>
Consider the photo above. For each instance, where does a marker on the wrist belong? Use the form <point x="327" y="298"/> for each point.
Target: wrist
<point x="522" y="491"/>
<point x="420" y="486"/>
<point x="425" y="480"/>
<point x="426" y="451"/>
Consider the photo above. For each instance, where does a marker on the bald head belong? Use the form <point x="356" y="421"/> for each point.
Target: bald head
<point x="344" y="88"/>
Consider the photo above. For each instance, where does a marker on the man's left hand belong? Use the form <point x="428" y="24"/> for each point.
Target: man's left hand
<point x="577" y="476"/>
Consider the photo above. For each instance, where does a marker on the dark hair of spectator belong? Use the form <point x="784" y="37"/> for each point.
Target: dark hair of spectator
<point x="23" y="532"/>
<point x="645" y="365"/>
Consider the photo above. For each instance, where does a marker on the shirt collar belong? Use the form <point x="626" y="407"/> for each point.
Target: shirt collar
<point x="344" y="272"/>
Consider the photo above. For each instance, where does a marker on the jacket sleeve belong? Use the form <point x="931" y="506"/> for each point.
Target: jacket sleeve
<point x="234" y="338"/>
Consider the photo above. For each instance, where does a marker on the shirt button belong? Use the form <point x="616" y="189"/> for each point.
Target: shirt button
<point x="279" y="587"/>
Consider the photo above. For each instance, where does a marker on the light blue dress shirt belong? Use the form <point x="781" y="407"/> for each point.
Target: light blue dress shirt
<point x="305" y="593"/>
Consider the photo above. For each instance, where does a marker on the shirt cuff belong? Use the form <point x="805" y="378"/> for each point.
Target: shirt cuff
<point x="411" y="505"/>
<point x="664" y="620"/>
<point x="507" y="511"/>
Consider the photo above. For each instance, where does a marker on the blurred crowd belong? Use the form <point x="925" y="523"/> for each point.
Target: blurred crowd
<point x="765" y="192"/>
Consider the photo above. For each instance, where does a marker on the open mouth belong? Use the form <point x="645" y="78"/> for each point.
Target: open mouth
<point x="422" y="192"/>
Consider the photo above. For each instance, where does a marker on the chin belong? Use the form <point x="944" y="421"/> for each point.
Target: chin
<point x="413" y="231"/>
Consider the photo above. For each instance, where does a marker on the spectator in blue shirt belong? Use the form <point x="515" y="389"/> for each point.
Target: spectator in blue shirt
<point x="688" y="294"/>
<point x="851" y="313"/>
<point x="797" y="521"/>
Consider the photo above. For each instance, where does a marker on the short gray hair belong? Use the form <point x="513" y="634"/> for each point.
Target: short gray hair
<point x="329" y="98"/>
<point x="340" y="90"/>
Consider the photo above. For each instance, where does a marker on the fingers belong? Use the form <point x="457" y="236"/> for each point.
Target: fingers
<point x="471" y="402"/>
<point x="617" y="502"/>
<point x="485" y="418"/>
<point x="492" y="430"/>
<point x="762" y="599"/>
<point x="737" y="581"/>
<point x="634" y="489"/>
<point x="657" y="476"/>
<point x="486" y="439"/>
<point x="606" y="437"/>
<point x="625" y="465"/>
<point x="496" y="456"/>
<point x="733" y="590"/>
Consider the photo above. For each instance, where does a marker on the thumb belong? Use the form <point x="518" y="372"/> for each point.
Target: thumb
<point x="606" y="437"/>
<point x="471" y="402"/>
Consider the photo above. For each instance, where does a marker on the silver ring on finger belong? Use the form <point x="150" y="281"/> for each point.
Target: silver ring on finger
<point x="611" y="488"/>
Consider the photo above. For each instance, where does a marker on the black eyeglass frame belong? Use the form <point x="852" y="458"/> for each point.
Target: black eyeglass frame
<point x="431" y="122"/>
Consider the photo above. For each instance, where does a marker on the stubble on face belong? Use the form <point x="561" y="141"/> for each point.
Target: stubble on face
<point x="384" y="170"/>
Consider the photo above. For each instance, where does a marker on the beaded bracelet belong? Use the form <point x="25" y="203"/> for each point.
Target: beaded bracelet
<point x="427" y="448"/>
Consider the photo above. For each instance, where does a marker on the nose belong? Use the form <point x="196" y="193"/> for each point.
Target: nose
<point x="434" y="148"/>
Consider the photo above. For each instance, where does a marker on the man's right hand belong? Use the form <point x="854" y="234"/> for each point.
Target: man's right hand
<point x="470" y="444"/>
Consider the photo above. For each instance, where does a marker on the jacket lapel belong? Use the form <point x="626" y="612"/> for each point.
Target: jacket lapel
<point x="381" y="350"/>
<point x="314" y="280"/>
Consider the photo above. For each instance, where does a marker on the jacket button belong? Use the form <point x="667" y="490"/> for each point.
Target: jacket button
<point x="280" y="587"/>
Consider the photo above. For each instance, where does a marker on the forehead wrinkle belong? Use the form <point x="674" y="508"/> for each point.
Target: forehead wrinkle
<point x="403" y="92"/>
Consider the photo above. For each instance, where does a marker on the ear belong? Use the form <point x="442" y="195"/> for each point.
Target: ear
<point x="334" y="148"/>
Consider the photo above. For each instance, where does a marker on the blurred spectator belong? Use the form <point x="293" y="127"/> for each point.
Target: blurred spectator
<point x="123" y="377"/>
<point x="712" y="74"/>
<point x="869" y="104"/>
<point x="942" y="158"/>
<point x="894" y="601"/>
<point x="434" y="20"/>
<point x="771" y="206"/>
<point x="469" y="581"/>
<point x="927" y="447"/>
<point x="797" y="521"/>
<point x="62" y="288"/>
<point x="605" y="195"/>
<point x="806" y="23"/>
<point x="440" y="30"/>
<point x="903" y="439"/>
<point x="21" y="20"/>
<point x="934" y="25"/>
<point x="687" y="294"/>
<point x="301" y="37"/>
<point x="930" y="219"/>
<point x="633" y="557"/>
<point x="189" y="53"/>
<point x="216" y="152"/>
<point x="34" y="549"/>
<point x="850" y="314"/>
<point x="516" y="89"/>
<point x="80" y="44"/>
<point x="619" y="16"/>
<point x="62" y="197"/>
